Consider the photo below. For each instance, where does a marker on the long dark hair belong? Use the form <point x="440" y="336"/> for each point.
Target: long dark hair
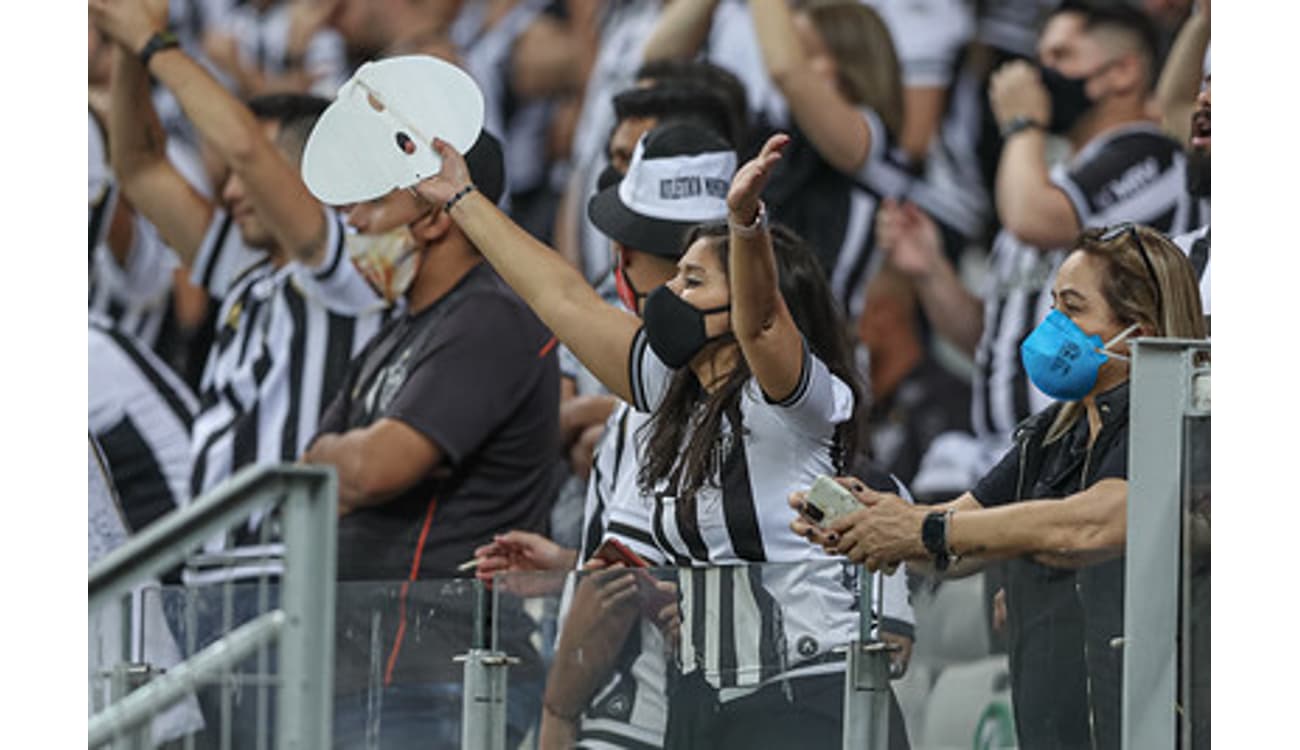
<point x="683" y="436"/>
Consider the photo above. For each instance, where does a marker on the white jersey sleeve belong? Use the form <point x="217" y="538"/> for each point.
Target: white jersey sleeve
<point x="336" y="282"/>
<point x="928" y="36"/>
<point x="819" y="401"/>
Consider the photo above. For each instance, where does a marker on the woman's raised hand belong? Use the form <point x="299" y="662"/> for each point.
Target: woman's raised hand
<point x="751" y="178"/>
<point x="450" y="180"/>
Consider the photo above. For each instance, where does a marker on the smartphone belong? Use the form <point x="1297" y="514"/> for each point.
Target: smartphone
<point x="613" y="551"/>
<point x="653" y="599"/>
<point x="828" y="500"/>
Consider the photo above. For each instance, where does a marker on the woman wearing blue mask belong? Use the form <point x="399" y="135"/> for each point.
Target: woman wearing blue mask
<point x="1055" y="506"/>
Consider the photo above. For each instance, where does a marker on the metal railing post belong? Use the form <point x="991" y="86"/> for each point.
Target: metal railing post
<point x="306" y="710"/>
<point x="866" y="679"/>
<point x="483" y="712"/>
<point x="1161" y="395"/>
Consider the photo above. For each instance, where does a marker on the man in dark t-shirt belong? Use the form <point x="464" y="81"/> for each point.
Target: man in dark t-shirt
<point x="444" y="433"/>
<point x="447" y="426"/>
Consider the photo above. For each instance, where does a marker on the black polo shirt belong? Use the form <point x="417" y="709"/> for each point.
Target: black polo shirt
<point x="1065" y="675"/>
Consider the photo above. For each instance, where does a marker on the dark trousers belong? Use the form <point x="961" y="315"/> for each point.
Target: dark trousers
<point x="805" y="712"/>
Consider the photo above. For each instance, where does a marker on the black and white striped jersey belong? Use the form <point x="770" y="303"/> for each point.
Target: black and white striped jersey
<point x="140" y="413"/>
<point x="1196" y="244"/>
<point x="1131" y="173"/>
<point x="488" y="55"/>
<point x="745" y="624"/>
<point x="283" y="341"/>
<point x="263" y="37"/>
<point x="135" y="296"/>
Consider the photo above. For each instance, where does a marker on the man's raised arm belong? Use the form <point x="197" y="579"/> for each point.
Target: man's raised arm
<point x="283" y="202"/>
<point x="138" y="154"/>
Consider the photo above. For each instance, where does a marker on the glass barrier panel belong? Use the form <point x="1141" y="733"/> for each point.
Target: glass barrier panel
<point x="748" y="655"/>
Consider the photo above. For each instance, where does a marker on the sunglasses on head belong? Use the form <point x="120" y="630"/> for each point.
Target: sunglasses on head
<point x="1129" y="229"/>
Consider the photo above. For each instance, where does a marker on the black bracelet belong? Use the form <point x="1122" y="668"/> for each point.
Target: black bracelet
<point x="160" y="41"/>
<point x="455" y="198"/>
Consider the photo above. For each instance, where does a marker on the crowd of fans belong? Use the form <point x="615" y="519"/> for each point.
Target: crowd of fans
<point x="702" y="253"/>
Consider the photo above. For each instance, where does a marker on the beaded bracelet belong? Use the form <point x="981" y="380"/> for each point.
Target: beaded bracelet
<point x="456" y="198"/>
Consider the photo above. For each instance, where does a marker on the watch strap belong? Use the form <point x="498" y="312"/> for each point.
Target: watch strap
<point x="1020" y="123"/>
<point x="934" y="535"/>
<point x="160" y="41"/>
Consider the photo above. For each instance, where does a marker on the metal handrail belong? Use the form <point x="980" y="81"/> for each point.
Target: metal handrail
<point x="307" y="498"/>
<point x="172" y="538"/>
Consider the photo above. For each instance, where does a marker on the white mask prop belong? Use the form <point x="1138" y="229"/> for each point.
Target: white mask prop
<point x="377" y="135"/>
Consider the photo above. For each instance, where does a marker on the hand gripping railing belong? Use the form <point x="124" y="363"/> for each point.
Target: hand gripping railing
<point x="307" y="498"/>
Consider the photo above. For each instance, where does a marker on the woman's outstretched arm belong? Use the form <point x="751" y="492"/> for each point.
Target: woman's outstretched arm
<point x="764" y="328"/>
<point x="597" y="333"/>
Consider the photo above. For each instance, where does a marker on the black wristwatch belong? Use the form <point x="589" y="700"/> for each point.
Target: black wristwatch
<point x="934" y="535"/>
<point x="160" y="41"/>
<point x="1019" y="123"/>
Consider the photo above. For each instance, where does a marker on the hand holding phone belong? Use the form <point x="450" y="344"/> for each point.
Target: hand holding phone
<point x="828" y="500"/>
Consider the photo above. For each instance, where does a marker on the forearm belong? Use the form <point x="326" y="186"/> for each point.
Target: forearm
<point x="291" y="212"/>
<point x="755" y="294"/>
<point x="225" y="123"/>
<point x="135" y="136"/>
<point x="774" y="28"/>
<point x="950" y="307"/>
<point x="1022" y="172"/>
<point x="830" y="121"/>
<point x="347" y="454"/>
<point x="599" y="335"/>
<point x="922" y="111"/>
<point x="681" y="30"/>
<point x="1082" y="527"/>
<point x="1029" y="205"/>
<point x="138" y="153"/>
<point x="1180" y="80"/>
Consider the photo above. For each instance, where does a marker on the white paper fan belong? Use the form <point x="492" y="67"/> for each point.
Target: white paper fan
<point x="376" y="135"/>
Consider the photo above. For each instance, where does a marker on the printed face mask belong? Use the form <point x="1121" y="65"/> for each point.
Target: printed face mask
<point x="1063" y="361"/>
<point x="675" y="328"/>
<point x="388" y="260"/>
<point x="1069" y="97"/>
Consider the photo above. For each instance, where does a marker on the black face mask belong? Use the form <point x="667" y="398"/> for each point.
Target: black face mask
<point x="1070" y="100"/>
<point x="675" y="328"/>
<point x="1198" y="174"/>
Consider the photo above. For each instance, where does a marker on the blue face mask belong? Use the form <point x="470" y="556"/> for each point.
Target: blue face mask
<point x="1062" y="360"/>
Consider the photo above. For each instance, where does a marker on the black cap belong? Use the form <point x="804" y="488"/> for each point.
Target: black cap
<point x="487" y="166"/>
<point x="678" y="179"/>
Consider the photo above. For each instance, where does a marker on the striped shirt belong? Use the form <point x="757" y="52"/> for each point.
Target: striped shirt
<point x="263" y="37"/>
<point x="135" y="296"/>
<point x="140" y="412"/>
<point x="488" y="52"/>
<point x="745" y="624"/>
<point x="1131" y="173"/>
<point x="281" y="348"/>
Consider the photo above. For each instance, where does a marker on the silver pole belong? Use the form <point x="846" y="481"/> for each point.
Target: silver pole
<point x="866" y="679"/>
<point x="483" y="713"/>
